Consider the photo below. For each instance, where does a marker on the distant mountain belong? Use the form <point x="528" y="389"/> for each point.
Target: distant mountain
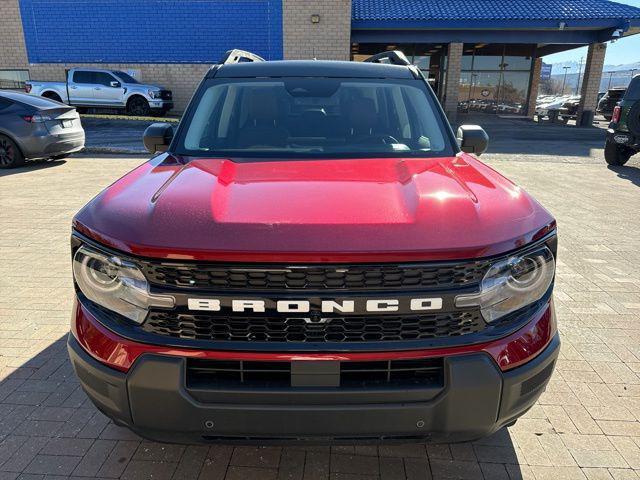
<point x="574" y="67"/>
<point x="612" y="76"/>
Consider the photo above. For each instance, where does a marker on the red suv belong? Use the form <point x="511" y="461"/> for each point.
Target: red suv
<point x="314" y="256"/>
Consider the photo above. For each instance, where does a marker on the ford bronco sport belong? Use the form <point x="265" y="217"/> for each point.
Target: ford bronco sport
<point x="623" y="135"/>
<point x="313" y="256"/>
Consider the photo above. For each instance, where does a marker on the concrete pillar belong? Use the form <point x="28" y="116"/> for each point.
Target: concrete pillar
<point x="591" y="83"/>
<point x="319" y="30"/>
<point x="533" y="88"/>
<point x="452" y="87"/>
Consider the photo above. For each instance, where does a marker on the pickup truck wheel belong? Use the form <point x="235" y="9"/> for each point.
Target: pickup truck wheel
<point x="138" y="106"/>
<point x="52" y="96"/>
<point x="10" y="154"/>
<point x="615" y="154"/>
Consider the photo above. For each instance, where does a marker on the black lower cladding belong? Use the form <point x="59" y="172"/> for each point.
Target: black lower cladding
<point x="459" y="398"/>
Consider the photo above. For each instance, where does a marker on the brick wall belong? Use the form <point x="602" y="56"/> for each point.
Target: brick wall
<point x="452" y="89"/>
<point x="533" y="90"/>
<point x="327" y="40"/>
<point x="182" y="79"/>
<point x="591" y="79"/>
<point x="12" y="48"/>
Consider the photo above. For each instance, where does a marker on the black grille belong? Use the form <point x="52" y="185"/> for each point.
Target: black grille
<point x="166" y="94"/>
<point x="224" y="373"/>
<point x="233" y="277"/>
<point x="338" y="329"/>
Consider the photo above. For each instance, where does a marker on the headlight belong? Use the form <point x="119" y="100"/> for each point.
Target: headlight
<point x="512" y="283"/>
<point x="115" y="284"/>
<point x="154" y="93"/>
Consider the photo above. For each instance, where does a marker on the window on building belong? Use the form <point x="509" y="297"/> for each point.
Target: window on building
<point x="495" y="78"/>
<point x="13" y="79"/>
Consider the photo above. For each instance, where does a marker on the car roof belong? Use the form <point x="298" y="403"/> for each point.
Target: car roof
<point x="311" y="68"/>
<point x="30" y="100"/>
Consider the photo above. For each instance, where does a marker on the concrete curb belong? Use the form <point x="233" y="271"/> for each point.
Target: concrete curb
<point x="114" y="151"/>
<point x="130" y="118"/>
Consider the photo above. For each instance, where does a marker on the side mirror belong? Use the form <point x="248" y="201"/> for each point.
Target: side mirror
<point x="115" y="84"/>
<point x="157" y="137"/>
<point x="472" y="139"/>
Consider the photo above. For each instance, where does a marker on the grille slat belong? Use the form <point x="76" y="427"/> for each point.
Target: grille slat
<point x="338" y="329"/>
<point x="203" y="373"/>
<point x="207" y="276"/>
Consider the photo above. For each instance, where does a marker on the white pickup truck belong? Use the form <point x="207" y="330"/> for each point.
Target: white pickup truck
<point x="89" y="87"/>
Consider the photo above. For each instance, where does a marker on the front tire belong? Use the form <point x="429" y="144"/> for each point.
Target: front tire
<point x="615" y="154"/>
<point x="10" y="154"/>
<point x="52" y="96"/>
<point x="138" y="107"/>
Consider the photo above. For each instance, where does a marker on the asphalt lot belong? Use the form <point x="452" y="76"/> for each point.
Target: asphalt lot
<point x="107" y="134"/>
<point x="586" y="425"/>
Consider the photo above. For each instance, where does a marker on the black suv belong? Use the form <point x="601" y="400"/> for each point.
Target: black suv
<point x="623" y="135"/>
<point x="608" y="102"/>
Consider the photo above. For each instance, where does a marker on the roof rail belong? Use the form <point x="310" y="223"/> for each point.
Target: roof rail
<point x="394" y="57"/>
<point x="239" y="56"/>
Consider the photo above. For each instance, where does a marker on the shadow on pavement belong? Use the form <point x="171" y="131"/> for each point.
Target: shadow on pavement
<point x="518" y="136"/>
<point x="628" y="172"/>
<point x="48" y="426"/>
<point x="30" y="166"/>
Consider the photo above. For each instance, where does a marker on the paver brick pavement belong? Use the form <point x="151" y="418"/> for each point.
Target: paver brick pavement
<point x="585" y="425"/>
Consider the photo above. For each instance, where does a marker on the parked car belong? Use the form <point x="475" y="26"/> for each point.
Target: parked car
<point x="569" y="109"/>
<point x="314" y="255"/>
<point x="551" y="107"/>
<point x="36" y="128"/>
<point x="623" y="134"/>
<point x="86" y="87"/>
<point x="609" y="101"/>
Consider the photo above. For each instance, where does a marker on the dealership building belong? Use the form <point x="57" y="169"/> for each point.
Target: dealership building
<point x="478" y="54"/>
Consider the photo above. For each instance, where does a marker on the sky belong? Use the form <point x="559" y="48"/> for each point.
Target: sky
<point x="625" y="50"/>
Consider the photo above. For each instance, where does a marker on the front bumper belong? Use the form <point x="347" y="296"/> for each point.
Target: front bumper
<point x="157" y="104"/>
<point x="152" y="398"/>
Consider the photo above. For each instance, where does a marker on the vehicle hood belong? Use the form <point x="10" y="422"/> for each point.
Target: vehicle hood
<point x="314" y="210"/>
<point x="143" y="86"/>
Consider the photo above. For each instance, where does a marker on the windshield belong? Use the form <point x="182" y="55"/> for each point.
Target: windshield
<point x="295" y="117"/>
<point x="125" y="77"/>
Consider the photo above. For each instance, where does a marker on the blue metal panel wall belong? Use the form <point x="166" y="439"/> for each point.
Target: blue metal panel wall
<point x="149" y="31"/>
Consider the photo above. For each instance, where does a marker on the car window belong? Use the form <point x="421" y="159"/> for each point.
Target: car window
<point x="125" y="77"/>
<point x="103" y="78"/>
<point x="80" y="76"/>
<point x="5" y="103"/>
<point x="315" y="117"/>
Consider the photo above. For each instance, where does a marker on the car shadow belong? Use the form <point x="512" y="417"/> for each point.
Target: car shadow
<point x="627" y="172"/>
<point x="43" y="407"/>
<point x="526" y="137"/>
<point x="30" y="166"/>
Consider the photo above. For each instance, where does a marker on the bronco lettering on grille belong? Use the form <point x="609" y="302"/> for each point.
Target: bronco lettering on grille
<point x="326" y="306"/>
